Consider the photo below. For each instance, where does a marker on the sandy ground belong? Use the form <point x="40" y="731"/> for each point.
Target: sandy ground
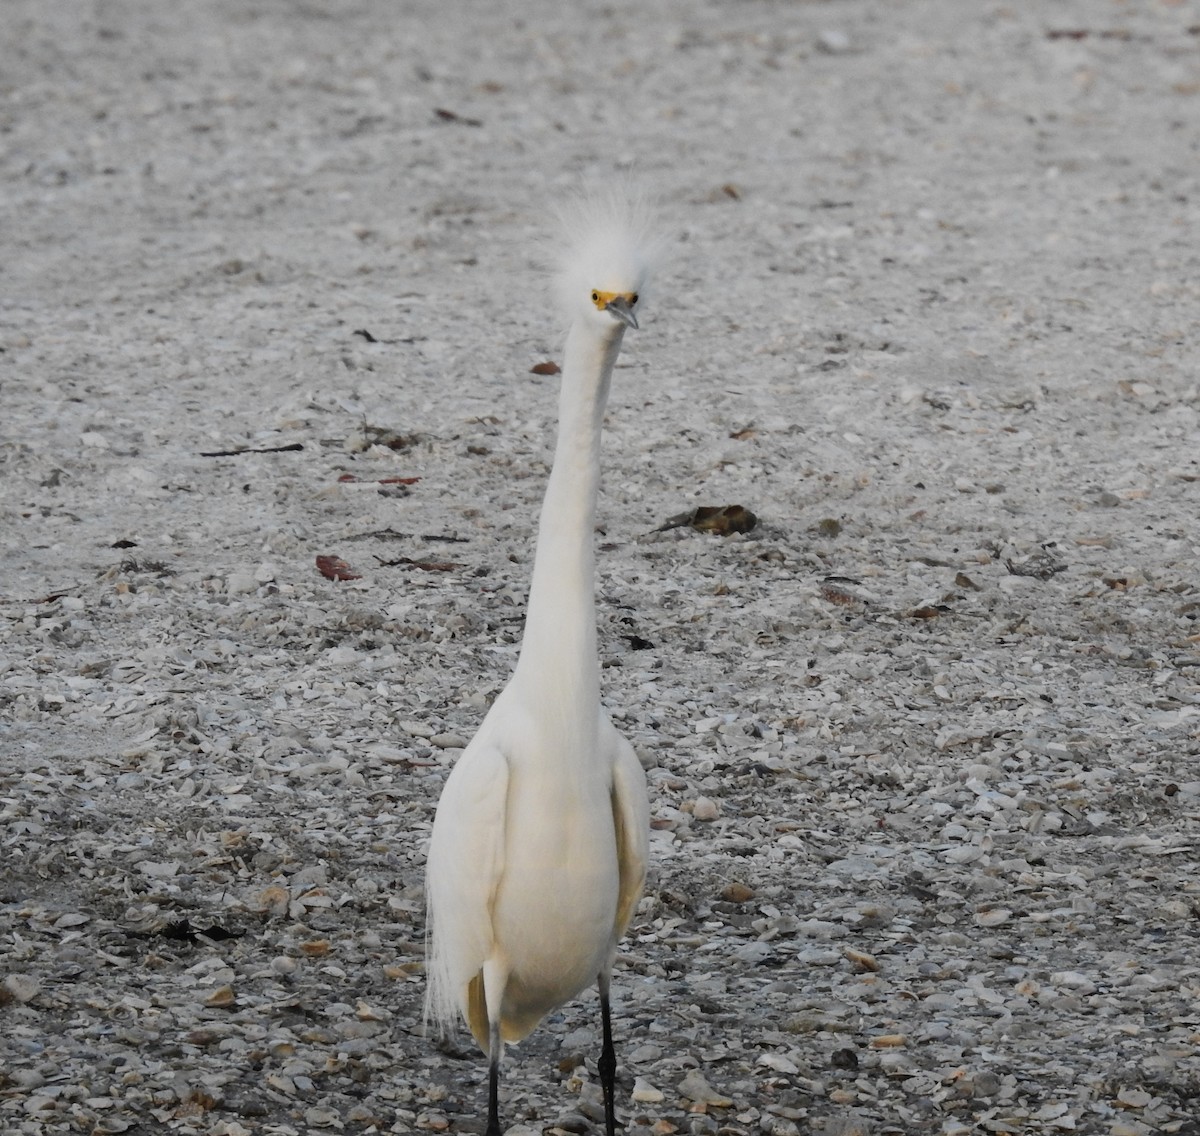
<point x="923" y="746"/>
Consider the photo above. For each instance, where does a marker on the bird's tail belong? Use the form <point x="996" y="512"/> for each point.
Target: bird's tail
<point x="442" y="1009"/>
<point x="446" y="1002"/>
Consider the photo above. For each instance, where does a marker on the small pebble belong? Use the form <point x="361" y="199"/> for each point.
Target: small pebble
<point x="862" y="960"/>
<point x="22" y="987"/>
<point x="1134" y="1098"/>
<point x="737" y="893"/>
<point x="833" y="42"/>
<point x="696" y="1088"/>
<point x="645" y="1093"/>
<point x="221" y="998"/>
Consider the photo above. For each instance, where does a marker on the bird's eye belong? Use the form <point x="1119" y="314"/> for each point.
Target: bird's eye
<point x="634" y="298"/>
<point x="595" y="297"/>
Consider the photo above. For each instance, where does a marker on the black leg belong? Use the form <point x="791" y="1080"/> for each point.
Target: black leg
<point x="493" y="1125"/>
<point x="607" y="1065"/>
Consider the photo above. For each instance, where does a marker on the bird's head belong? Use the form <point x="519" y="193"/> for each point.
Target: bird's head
<point x="606" y="263"/>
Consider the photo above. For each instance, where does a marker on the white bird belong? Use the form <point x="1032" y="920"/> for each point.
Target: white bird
<point x="538" y="852"/>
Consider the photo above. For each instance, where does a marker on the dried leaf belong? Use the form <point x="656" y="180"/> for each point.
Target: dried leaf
<point x="837" y="595"/>
<point x="547" y="368"/>
<point x="335" y="568"/>
<point x="724" y="520"/>
<point x="719" y="519"/>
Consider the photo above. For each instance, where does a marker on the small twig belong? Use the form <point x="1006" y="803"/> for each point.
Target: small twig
<point x="347" y="478"/>
<point x="40" y="600"/>
<point x="260" y="450"/>
<point x="453" y="116"/>
<point x="392" y="534"/>
<point x="423" y="565"/>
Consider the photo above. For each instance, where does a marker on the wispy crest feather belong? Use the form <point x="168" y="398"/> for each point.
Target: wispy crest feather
<point x="608" y="239"/>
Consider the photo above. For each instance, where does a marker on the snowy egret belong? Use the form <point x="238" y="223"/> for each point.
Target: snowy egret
<point x="538" y="853"/>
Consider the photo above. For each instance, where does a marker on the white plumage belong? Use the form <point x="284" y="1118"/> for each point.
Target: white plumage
<point x="538" y="853"/>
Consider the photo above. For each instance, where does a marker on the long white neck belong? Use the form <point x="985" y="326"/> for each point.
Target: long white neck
<point x="558" y="666"/>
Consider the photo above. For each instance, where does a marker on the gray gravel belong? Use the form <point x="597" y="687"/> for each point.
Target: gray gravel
<point x="922" y="746"/>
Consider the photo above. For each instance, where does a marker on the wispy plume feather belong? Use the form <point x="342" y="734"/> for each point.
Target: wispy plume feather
<point x="605" y="237"/>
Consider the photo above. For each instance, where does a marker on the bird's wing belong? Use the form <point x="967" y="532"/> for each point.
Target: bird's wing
<point x="631" y="817"/>
<point x="466" y="862"/>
